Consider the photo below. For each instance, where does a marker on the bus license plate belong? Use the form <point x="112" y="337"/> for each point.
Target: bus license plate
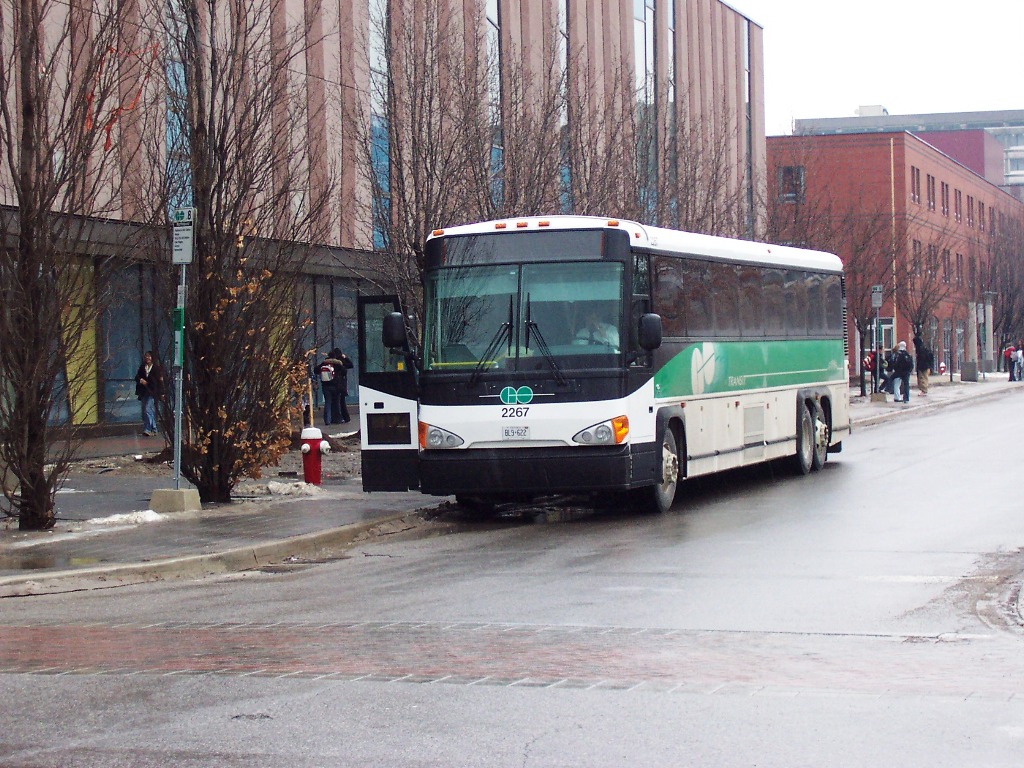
<point x="509" y="432"/>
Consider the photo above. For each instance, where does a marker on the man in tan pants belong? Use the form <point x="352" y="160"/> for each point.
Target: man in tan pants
<point x="923" y="362"/>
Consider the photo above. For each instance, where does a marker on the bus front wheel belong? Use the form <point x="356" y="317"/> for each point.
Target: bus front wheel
<point x="661" y="496"/>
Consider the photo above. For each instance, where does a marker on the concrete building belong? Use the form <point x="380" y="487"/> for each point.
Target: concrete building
<point x="926" y="227"/>
<point x="698" y="60"/>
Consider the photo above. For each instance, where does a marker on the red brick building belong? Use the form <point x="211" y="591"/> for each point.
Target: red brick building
<point x="905" y="216"/>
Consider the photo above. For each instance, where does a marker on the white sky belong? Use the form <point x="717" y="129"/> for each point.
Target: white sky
<point x="825" y="58"/>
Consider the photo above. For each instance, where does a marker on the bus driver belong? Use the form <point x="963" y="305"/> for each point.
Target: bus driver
<point x="596" y="331"/>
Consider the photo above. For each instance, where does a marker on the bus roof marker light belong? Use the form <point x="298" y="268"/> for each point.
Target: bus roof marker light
<point x="437" y="232"/>
<point x="613" y="222"/>
<point x="521" y="224"/>
<point x="543" y="223"/>
<point x="500" y="225"/>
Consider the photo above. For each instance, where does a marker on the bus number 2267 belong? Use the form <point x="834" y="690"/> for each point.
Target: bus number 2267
<point x="517" y="412"/>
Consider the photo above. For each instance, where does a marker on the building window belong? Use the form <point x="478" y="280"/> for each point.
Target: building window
<point x="931" y="192"/>
<point x="959" y="269"/>
<point x="915" y="262"/>
<point x="496" y="162"/>
<point x="915" y="185"/>
<point x="958" y="205"/>
<point x="972" y="273"/>
<point x="944" y="189"/>
<point x="945" y="266"/>
<point x="981" y="216"/>
<point x="933" y="261"/>
<point x="970" y="210"/>
<point x="791" y="184"/>
<point x="380" y="141"/>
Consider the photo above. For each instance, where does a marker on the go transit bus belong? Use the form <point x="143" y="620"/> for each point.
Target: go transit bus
<point x="590" y="355"/>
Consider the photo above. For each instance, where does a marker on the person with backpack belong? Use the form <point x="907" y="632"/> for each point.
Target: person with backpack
<point x="902" y="365"/>
<point x="925" y="361"/>
<point x="333" y="375"/>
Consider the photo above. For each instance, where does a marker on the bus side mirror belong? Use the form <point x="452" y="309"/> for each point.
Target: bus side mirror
<point x="650" y="331"/>
<point x="393" y="331"/>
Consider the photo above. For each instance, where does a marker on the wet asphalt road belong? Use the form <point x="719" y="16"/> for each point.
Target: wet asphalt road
<point x="865" y="615"/>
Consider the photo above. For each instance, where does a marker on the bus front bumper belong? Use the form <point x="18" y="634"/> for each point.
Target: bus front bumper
<point x="536" y="471"/>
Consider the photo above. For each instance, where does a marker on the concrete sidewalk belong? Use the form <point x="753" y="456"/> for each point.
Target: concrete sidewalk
<point x="106" y="536"/>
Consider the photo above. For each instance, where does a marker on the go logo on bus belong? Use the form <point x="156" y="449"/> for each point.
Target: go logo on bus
<point x="513" y="396"/>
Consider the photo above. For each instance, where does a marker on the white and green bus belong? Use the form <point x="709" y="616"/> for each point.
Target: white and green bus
<point x="576" y="355"/>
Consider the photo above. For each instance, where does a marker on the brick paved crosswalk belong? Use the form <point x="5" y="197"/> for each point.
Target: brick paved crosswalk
<point x="527" y="655"/>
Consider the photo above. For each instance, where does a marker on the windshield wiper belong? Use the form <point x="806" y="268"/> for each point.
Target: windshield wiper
<point x="499" y="336"/>
<point x="542" y="344"/>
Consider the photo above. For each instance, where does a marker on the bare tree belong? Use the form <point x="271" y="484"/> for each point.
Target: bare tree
<point x="261" y="187"/>
<point x="427" y="97"/>
<point x="1005" y="277"/>
<point x="67" y="79"/>
<point x="926" y="271"/>
<point x="806" y="209"/>
<point x="700" y="186"/>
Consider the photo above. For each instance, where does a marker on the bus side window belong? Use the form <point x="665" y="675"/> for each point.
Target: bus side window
<point x="668" y="295"/>
<point x="815" y="305"/>
<point x="796" y="303"/>
<point x="751" y="302"/>
<point x="774" y="303"/>
<point x="700" y="321"/>
<point x="833" y="297"/>
<point x="724" y="293"/>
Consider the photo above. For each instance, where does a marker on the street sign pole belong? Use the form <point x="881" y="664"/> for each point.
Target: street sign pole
<point x="183" y="222"/>
<point x="876" y="342"/>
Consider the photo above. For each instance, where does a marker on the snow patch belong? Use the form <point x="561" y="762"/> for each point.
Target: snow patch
<point x="292" y="489"/>
<point x="130" y="518"/>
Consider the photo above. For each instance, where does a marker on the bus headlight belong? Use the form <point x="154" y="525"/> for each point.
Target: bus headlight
<point x="435" y="437"/>
<point x="611" y="432"/>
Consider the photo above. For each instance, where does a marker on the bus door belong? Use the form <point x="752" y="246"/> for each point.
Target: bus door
<point x="388" y="405"/>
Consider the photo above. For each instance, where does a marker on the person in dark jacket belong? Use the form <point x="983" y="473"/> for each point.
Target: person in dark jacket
<point x="925" y="361"/>
<point x="149" y="385"/>
<point x="334" y="385"/>
<point x="902" y="365"/>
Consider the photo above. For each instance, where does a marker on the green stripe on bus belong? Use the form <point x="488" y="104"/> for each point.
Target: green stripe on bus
<point x="712" y="367"/>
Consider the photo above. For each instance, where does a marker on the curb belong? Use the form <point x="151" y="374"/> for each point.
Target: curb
<point x="190" y="566"/>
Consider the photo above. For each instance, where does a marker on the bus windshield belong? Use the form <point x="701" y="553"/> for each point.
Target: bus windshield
<point x="524" y="316"/>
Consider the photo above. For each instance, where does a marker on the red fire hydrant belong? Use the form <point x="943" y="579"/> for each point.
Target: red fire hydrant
<point x="314" y="448"/>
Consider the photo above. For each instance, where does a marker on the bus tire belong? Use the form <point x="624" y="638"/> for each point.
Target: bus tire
<point x="661" y="496"/>
<point x="822" y="433"/>
<point x="804" y="459"/>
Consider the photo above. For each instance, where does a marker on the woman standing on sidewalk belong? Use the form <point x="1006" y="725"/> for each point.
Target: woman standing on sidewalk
<point x="149" y="385"/>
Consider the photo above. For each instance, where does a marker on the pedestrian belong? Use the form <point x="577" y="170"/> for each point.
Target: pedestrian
<point x="902" y="365"/>
<point x="887" y="382"/>
<point x="925" y="360"/>
<point x="149" y="385"/>
<point x="341" y="368"/>
<point x="1018" y="367"/>
<point x="334" y="385"/>
<point x="1009" y="357"/>
<point x="869" y="366"/>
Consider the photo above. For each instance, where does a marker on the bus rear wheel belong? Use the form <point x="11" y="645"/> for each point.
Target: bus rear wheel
<point x="805" y="440"/>
<point x="822" y="433"/>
